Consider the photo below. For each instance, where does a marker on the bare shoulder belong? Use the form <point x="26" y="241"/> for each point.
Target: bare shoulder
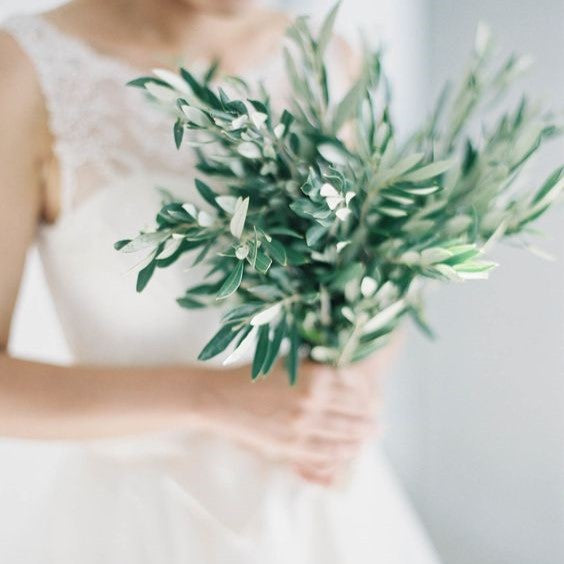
<point x="268" y="25"/>
<point x="23" y="118"/>
<point x="20" y="95"/>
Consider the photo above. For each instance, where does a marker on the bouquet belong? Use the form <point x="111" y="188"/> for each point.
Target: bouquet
<point x="324" y="225"/>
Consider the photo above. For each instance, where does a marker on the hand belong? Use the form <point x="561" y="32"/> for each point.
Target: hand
<point x="317" y="427"/>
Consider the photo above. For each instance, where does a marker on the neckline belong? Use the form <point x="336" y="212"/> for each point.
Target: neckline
<point x="87" y="48"/>
<point x="133" y="70"/>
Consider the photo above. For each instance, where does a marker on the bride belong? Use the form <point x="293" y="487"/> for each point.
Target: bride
<point x="166" y="461"/>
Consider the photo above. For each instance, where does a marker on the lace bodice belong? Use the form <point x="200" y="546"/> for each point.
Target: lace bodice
<point x="102" y="129"/>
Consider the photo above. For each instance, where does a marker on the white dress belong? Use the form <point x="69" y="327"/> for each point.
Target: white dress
<point x="188" y="498"/>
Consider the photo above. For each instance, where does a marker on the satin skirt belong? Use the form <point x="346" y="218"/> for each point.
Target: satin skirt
<point x="196" y="499"/>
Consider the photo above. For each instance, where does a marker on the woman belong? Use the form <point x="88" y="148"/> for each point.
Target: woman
<point x="170" y="461"/>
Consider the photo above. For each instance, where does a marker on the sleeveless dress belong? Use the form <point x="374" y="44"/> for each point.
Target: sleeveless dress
<point x="162" y="499"/>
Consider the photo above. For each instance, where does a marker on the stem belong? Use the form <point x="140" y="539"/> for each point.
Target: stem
<point x="349" y="347"/>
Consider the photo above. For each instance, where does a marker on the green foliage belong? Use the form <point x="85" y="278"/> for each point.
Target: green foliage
<point x="326" y="224"/>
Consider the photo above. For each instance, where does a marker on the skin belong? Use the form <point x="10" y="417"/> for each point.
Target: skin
<point x="316" y="427"/>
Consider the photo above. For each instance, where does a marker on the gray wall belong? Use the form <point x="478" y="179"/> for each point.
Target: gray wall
<point x="482" y="448"/>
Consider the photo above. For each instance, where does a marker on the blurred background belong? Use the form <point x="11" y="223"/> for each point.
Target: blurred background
<point x="475" y="421"/>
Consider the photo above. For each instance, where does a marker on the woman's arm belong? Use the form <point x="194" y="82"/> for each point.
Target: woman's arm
<point x="44" y="401"/>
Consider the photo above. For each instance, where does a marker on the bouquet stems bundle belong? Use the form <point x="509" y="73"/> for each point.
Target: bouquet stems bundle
<point x="325" y="225"/>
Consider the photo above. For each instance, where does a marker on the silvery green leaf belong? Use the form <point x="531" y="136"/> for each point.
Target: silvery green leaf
<point x="483" y="39"/>
<point x="258" y="119"/>
<point x="368" y="286"/>
<point x="171" y="246"/>
<point x="249" y="150"/>
<point x="173" y="79"/>
<point x="232" y="282"/>
<point x="227" y="203"/>
<point x="384" y="317"/>
<point x="190" y="209"/>
<point x="237" y="223"/>
<point x="348" y="314"/>
<point x="327" y="29"/>
<point x="398" y="199"/>
<point x="448" y="272"/>
<point x="205" y="219"/>
<point x="196" y="116"/>
<point x="267" y="315"/>
<point x="458" y="224"/>
<point x="410" y="258"/>
<point x="332" y="153"/>
<point x="474" y="266"/>
<point x="329" y="191"/>
<point x="161" y="93"/>
<point x="391" y="212"/>
<point x="405" y="165"/>
<point x="334" y="202"/>
<point x="145" y="240"/>
<point x="242" y="252"/>
<point x="241" y="353"/>
<point x="435" y="255"/>
<point x="324" y="355"/>
<point x="343" y="214"/>
<point x="430" y="171"/>
<point x="387" y="293"/>
<point x="265" y="292"/>
<point x="347" y="106"/>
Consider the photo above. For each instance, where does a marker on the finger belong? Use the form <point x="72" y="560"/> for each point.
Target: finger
<point x="344" y="429"/>
<point x="317" y="476"/>
<point x="318" y="450"/>
<point x="355" y="408"/>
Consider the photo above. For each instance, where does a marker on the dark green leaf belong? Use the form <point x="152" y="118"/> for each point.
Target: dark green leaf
<point x="142" y="81"/>
<point x="219" y="342"/>
<point x="178" y="133"/>
<point x="284" y="231"/>
<point x="278" y="337"/>
<point x="207" y="194"/>
<point x="232" y="282"/>
<point x="145" y="275"/>
<point x="263" y="261"/>
<point x="276" y="251"/>
<point x="190" y="303"/>
<point x="314" y="234"/>
<point x="201" y="91"/>
<point x="549" y="184"/>
<point x="293" y="358"/>
<point x="120" y="244"/>
<point x="261" y="351"/>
